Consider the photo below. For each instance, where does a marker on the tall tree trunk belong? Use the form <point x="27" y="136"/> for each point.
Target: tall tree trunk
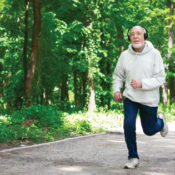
<point x="170" y="5"/>
<point x="75" y="89"/>
<point x="1" y="82"/>
<point x="120" y="37"/>
<point x="164" y="94"/>
<point x="35" y="51"/>
<point x="105" y="69"/>
<point x="84" y="88"/>
<point x="25" y="40"/>
<point x="38" y="89"/>
<point x="102" y="64"/>
<point x="92" y="103"/>
<point x="90" y="80"/>
<point x="108" y="85"/>
<point x="64" y="89"/>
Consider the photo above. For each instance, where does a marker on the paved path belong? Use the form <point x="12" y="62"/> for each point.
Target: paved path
<point x="101" y="154"/>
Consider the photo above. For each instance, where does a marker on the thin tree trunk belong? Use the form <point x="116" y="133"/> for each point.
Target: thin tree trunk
<point x="170" y="46"/>
<point x="108" y="84"/>
<point x="84" y="88"/>
<point x="120" y="37"/>
<point x="75" y="89"/>
<point x="164" y="94"/>
<point x="38" y="91"/>
<point x="25" y="40"/>
<point x="1" y="82"/>
<point x="35" y="51"/>
<point x="64" y="89"/>
<point x="90" y="80"/>
<point x="92" y="103"/>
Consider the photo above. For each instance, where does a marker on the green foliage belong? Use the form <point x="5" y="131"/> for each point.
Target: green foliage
<point x="42" y="116"/>
<point x="80" y="42"/>
<point x="24" y="126"/>
<point x="81" y="127"/>
<point x="34" y="123"/>
<point x="169" y="111"/>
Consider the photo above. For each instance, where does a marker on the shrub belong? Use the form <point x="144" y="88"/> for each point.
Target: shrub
<point x="83" y="126"/>
<point x="42" y="116"/>
<point x="35" y="123"/>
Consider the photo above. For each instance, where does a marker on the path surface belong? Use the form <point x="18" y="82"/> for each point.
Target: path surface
<point x="101" y="154"/>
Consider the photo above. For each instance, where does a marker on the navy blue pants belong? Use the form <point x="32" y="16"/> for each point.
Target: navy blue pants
<point x="149" y="121"/>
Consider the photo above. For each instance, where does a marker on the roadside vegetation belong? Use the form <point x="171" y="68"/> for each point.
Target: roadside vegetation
<point x="38" y="124"/>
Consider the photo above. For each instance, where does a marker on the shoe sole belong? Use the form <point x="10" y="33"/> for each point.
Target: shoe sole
<point x="163" y="118"/>
<point x="164" y="135"/>
<point x="126" y="167"/>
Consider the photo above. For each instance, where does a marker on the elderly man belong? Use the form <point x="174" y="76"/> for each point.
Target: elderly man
<point x="141" y="68"/>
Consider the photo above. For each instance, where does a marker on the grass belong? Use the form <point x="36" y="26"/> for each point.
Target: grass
<point x="97" y="121"/>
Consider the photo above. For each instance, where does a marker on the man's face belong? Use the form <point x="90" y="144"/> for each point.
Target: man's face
<point x="137" y="36"/>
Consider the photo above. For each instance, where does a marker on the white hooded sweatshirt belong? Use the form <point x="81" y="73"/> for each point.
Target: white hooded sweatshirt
<point x="146" y="66"/>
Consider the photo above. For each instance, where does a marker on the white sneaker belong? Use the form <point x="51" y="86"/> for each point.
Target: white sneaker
<point x="132" y="163"/>
<point x="164" y="131"/>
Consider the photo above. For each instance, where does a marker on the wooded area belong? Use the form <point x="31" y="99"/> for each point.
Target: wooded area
<point x="63" y="52"/>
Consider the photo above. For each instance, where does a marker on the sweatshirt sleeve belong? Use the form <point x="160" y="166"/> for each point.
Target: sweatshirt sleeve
<point x="158" y="77"/>
<point x="118" y="75"/>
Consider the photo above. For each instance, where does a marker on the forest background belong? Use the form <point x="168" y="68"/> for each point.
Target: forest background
<point x="57" y="59"/>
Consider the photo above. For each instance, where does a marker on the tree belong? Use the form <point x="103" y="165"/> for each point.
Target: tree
<point x="35" y="50"/>
<point x="25" y="40"/>
<point x="170" y="5"/>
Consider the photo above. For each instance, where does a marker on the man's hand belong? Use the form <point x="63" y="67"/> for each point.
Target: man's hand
<point x="136" y="84"/>
<point x="117" y="96"/>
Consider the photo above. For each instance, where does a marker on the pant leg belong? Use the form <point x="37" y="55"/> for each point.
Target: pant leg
<point x="130" y="113"/>
<point x="150" y="123"/>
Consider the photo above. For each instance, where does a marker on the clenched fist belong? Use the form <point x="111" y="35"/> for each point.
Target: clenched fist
<point x="117" y="96"/>
<point x="136" y="83"/>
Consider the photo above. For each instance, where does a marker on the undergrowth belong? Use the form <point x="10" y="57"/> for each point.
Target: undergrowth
<point x="38" y="124"/>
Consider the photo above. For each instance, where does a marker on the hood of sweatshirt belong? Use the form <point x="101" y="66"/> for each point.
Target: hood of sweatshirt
<point x="148" y="47"/>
